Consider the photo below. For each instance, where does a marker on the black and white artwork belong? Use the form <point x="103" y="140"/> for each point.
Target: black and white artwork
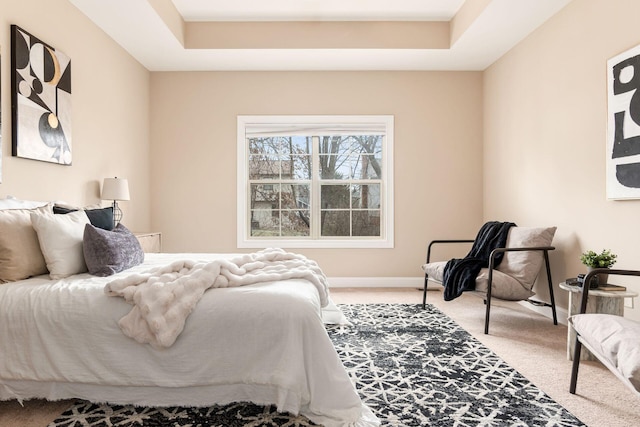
<point x="623" y="125"/>
<point x="40" y="99"/>
<point x="0" y="128"/>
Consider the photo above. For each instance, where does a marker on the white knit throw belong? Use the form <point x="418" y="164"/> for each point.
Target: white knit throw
<point x="164" y="297"/>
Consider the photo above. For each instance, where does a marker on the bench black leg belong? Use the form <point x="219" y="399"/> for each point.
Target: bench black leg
<point x="553" y="300"/>
<point x="424" y="292"/>
<point x="575" y="366"/>
<point x="487" y="302"/>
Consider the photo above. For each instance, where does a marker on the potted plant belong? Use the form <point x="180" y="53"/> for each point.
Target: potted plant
<point x="604" y="259"/>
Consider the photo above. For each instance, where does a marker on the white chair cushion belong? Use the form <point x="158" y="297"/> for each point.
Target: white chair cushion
<point x="525" y="265"/>
<point x="615" y="339"/>
<point x="504" y="287"/>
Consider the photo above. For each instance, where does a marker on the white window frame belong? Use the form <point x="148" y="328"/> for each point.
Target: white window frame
<point x="386" y="240"/>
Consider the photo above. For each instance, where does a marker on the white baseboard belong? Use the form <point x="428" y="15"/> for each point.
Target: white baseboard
<point x="413" y="282"/>
<point x="375" y="282"/>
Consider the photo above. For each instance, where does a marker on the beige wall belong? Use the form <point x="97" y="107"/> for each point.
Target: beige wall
<point x="438" y="155"/>
<point x="545" y="110"/>
<point x="110" y="113"/>
<point x="540" y="112"/>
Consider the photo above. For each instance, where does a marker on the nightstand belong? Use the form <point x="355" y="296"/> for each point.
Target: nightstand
<point x="151" y="242"/>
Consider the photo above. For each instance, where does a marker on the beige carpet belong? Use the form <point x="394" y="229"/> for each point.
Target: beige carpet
<point x="527" y="341"/>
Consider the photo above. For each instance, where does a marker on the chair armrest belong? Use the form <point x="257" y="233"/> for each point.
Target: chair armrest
<point x="595" y="272"/>
<point x="433" y="242"/>
<point x="496" y="251"/>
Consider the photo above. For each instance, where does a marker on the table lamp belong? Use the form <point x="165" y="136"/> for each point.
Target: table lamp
<point x="115" y="189"/>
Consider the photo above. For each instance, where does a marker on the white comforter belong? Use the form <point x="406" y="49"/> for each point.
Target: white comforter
<point x="263" y="343"/>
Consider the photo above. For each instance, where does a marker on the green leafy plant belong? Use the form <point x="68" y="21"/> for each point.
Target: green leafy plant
<point x="604" y="259"/>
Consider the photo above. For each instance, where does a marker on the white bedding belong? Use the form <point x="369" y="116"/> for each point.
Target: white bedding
<point x="263" y="343"/>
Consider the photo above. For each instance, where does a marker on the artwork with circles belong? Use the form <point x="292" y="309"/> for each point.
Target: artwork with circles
<point x="41" y="99"/>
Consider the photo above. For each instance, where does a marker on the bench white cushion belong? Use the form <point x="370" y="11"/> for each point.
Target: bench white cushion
<point x="504" y="286"/>
<point x="614" y="340"/>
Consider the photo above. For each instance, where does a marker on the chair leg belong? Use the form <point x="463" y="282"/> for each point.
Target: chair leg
<point x="575" y="366"/>
<point x="486" y="317"/>
<point x="553" y="300"/>
<point x="424" y="292"/>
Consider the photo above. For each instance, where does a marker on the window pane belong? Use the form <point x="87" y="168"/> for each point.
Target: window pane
<point x="265" y="196"/>
<point x="365" y="196"/>
<point x="368" y="144"/>
<point x="295" y="196"/>
<point x="367" y="166"/>
<point x="295" y="223"/>
<point x="335" y="166"/>
<point x="335" y="223"/>
<point x="335" y="162"/>
<point x="265" y="146"/>
<point x="366" y="223"/>
<point x="334" y="145"/>
<point x="264" y="223"/>
<point x="264" y="167"/>
<point x="334" y="197"/>
<point x="299" y="145"/>
<point x="301" y="167"/>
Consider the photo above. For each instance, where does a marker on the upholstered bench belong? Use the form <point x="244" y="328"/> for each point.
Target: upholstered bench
<point x="614" y="340"/>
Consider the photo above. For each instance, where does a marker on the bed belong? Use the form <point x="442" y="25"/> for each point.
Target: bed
<point x="265" y="343"/>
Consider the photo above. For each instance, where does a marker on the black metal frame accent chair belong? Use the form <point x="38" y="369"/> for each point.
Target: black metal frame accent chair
<point x="612" y="339"/>
<point x="506" y="282"/>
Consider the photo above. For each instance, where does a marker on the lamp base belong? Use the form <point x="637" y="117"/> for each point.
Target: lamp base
<point x="117" y="214"/>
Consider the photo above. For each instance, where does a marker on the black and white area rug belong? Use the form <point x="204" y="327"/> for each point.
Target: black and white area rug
<point x="412" y="367"/>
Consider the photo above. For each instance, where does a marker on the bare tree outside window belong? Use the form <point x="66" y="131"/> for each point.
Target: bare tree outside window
<point x="281" y="170"/>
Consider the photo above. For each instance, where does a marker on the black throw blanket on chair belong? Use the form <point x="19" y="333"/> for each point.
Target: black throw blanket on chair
<point x="460" y="274"/>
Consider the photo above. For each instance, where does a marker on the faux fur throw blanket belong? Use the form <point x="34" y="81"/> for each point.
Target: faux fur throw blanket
<point x="164" y="297"/>
<point x="460" y="274"/>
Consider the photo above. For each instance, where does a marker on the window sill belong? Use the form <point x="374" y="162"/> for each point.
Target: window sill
<point x="316" y="244"/>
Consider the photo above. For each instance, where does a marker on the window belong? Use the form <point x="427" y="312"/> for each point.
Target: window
<point x="315" y="181"/>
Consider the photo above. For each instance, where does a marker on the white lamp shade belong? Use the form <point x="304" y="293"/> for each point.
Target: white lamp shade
<point x="115" y="189"/>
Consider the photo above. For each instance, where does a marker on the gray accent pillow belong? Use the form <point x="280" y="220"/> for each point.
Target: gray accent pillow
<point x="109" y="252"/>
<point x="102" y="217"/>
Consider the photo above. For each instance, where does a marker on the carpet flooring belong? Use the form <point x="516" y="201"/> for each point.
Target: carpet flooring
<point x="412" y="367"/>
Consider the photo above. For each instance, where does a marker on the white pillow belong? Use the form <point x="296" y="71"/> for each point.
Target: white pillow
<point x="525" y="265"/>
<point x="11" y="202"/>
<point x="60" y="238"/>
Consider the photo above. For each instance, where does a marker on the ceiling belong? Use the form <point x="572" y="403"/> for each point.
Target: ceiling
<point x="205" y="35"/>
<point x="310" y="10"/>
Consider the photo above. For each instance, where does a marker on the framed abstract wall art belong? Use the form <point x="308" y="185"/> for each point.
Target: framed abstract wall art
<point x="623" y="125"/>
<point x="0" y="122"/>
<point x="40" y="99"/>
